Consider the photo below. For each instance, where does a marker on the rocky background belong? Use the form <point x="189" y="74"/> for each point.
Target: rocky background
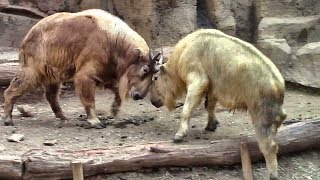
<point x="287" y="31"/>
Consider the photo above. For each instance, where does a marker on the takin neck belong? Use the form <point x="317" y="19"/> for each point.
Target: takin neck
<point x="122" y="54"/>
<point x="175" y="88"/>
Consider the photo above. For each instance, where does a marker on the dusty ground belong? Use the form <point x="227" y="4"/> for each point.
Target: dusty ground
<point x="146" y="123"/>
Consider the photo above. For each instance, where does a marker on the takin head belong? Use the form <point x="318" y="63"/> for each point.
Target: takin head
<point x="162" y="92"/>
<point x="136" y="83"/>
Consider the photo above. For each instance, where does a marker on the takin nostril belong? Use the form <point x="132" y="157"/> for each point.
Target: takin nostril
<point x="136" y="96"/>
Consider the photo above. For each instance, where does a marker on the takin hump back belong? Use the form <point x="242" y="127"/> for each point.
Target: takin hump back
<point x="93" y="48"/>
<point x="209" y="63"/>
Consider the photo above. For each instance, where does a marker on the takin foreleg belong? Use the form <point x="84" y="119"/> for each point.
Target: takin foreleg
<point x="195" y="92"/>
<point x="115" y="107"/>
<point x="85" y="89"/>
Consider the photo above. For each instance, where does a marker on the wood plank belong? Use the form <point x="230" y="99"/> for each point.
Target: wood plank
<point x="246" y="161"/>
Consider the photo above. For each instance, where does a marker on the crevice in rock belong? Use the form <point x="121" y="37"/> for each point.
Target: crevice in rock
<point x="303" y="36"/>
<point x="253" y="18"/>
<point x="115" y="10"/>
<point x="203" y="20"/>
<point x="22" y="11"/>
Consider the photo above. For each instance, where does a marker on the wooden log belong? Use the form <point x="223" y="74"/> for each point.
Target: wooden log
<point x="246" y="161"/>
<point x="11" y="167"/>
<point x="7" y="72"/>
<point x="9" y="54"/>
<point x="41" y="164"/>
<point x="77" y="170"/>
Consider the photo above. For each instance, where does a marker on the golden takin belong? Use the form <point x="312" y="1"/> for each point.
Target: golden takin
<point x="209" y="63"/>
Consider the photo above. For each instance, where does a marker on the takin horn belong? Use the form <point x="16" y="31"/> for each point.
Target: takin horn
<point x="161" y="57"/>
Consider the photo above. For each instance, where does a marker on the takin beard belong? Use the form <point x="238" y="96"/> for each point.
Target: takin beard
<point x="173" y="90"/>
<point x="170" y="102"/>
<point x="123" y="87"/>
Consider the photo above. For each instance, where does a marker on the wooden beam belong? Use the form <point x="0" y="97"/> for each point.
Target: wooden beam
<point x="246" y="161"/>
<point x="77" y="170"/>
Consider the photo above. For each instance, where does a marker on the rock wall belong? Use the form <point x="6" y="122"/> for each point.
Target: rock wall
<point x="286" y="31"/>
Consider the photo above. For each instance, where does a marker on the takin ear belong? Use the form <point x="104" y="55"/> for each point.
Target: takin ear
<point x="138" y="52"/>
<point x="162" y="68"/>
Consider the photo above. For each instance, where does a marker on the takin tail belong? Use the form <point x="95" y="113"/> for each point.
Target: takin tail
<point x="280" y="118"/>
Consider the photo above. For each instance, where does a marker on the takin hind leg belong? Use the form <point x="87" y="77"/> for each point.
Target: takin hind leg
<point x="210" y="104"/>
<point x="85" y="89"/>
<point x="266" y="140"/>
<point x="18" y="86"/>
<point x="51" y="93"/>
<point x="195" y="93"/>
<point x="115" y="107"/>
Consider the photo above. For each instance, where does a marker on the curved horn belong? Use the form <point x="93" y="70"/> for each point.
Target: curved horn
<point x="156" y="56"/>
<point x="151" y="54"/>
<point x="161" y="57"/>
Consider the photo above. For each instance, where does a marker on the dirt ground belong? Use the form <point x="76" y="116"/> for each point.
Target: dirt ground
<point x="145" y="123"/>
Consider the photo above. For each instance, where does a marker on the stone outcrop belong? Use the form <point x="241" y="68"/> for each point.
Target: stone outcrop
<point x="287" y="8"/>
<point x="279" y="51"/>
<point x="220" y="14"/>
<point x="288" y="33"/>
<point x="306" y="65"/>
<point x="296" y="30"/>
<point x="175" y="19"/>
<point x="235" y="18"/>
<point x="13" y="28"/>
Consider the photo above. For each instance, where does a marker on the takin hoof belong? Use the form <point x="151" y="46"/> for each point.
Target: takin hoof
<point x="178" y="138"/>
<point x="96" y="123"/>
<point x="62" y="118"/>
<point x="212" y="126"/>
<point x="7" y="121"/>
<point x="60" y="123"/>
<point x="273" y="177"/>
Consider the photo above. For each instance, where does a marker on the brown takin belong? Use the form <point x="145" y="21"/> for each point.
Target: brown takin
<point x="93" y="48"/>
<point x="208" y="63"/>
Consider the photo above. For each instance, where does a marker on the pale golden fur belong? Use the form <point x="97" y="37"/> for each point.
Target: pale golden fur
<point x="208" y="63"/>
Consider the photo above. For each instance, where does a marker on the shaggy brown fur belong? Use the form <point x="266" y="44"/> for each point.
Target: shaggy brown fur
<point x="94" y="48"/>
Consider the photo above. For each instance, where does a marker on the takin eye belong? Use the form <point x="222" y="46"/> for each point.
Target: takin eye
<point x="144" y="70"/>
<point x="154" y="78"/>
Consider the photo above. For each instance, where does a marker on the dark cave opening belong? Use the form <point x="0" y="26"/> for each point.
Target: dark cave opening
<point x="203" y="20"/>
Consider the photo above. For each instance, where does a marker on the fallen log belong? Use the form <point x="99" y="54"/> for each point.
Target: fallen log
<point x="55" y="164"/>
<point x="11" y="167"/>
<point x="7" y="72"/>
<point x="9" y="54"/>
